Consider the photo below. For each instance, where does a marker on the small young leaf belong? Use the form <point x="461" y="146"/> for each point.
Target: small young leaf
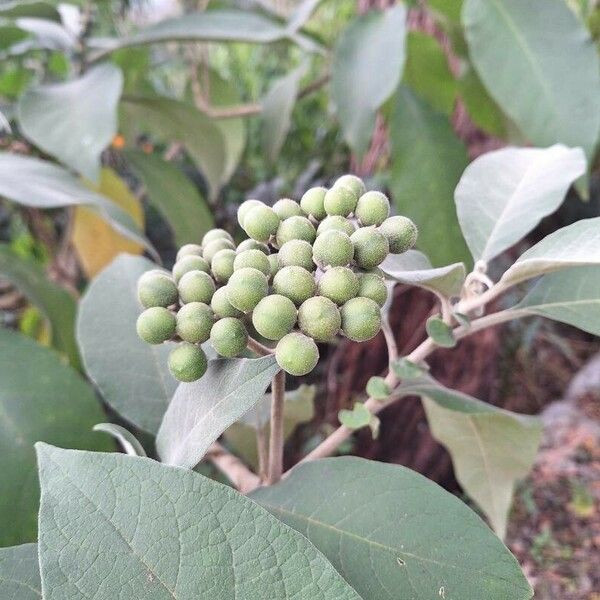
<point x="440" y="332"/>
<point x="128" y="441"/>
<point x="378" y="388"/>
<point x="406" y="369"/>
<point x="358" y="417"/>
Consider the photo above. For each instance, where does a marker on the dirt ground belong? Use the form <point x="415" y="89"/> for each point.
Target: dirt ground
<point x="555" y="526"/>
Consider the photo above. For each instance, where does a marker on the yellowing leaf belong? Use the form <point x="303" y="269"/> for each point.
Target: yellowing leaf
<point x="95" y="241"/>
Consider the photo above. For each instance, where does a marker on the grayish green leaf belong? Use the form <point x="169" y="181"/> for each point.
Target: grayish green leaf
<point x="440" y="332"/>
<point x="170" y="119"/>
<point x="575" y="245"/>
<point x="40" y="184"/>
<point x="201" y="411"/>
<point x="378" y="388"/>
<point x="29" y="8"/>
<point x="128" y="441"/>
<point x="41" y="398"/>
<point x="74" y="121"/>
<point x="277" y="106"/>
<point x="367" y="66"/>
<point x="116" y="526"/>
<point x="414" y="268"/>
<point x="132" y="376"/>
<point x="539" y="63"/>
<point x="20" y="573"/>
<point x="406" y="369"/>
<point x="427" y="162"/>
<point x="571" y="296"/>
<point x="302" y="13"/>
<point x="57" y="305"/>
<point x="48" y="34"/>
<point x="173" y="195"/>
<point x="491" y="448"/>
<point x="504" y="194"/>
<point x="393" y="534"/>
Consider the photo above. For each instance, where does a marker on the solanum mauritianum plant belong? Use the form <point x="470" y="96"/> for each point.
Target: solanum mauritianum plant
<point x="126" y="526"/>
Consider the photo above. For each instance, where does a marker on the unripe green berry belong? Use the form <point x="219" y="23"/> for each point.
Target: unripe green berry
<point x="373" y="208"/>
<point x="370" y="247"/>
<point x="352" y="182"/>
<point x="337" y="223"/>
<point x="194" y="321"/>
<point x="319" y="318"/>
<point x="244" y="208"/>
<point x="216" y="234"/>
<point x="187" y="264"/>
<point x="261" y="222"/>
<point x="189" y="250"/>
<point x="213" y="247"/>
<point x="156" y="288"/>
<point x="297" y="354"/>
<point x="286" y="208"/>
<point x="296" y="253"/>
<point x="274" y="316"/>
<point x="274" y="263"/>
<point x="361" y="319"/>
<point x="339" y="284"/>
<point x="333" y="248"/>
<point x="401" y="233"/>
<point x="295" y="228"/>
<point x="221" y="265"/>
<point x="294" y="283"/>
<point x="246" y="288"/>
<point x="372" y="286"/>
<point x="156" y="325"/>
<point x="187" y="362"/>
<point x="312" y="202"/>
<point x="251" y="244"/>
<point x="221" y="305"/>
<point x="229" y="337"/>
<point x="340" y="200"/>
<point x="196" y="286"/>
<point x="252" y="258"/>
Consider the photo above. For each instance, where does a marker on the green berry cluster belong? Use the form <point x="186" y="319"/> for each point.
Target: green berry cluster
<point x="307" y="272"/>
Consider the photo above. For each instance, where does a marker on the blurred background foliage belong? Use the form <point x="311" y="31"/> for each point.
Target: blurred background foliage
<point x="135" y="126"/>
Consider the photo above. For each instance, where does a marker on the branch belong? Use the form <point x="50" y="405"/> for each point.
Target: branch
<point x="231" y="466"/>
<point x="259" y="348"/>
<point x="276" y="439"/>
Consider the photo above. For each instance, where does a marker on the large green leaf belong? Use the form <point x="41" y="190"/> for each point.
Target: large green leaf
<point x="367" y="65"/>
<point x="539" y="63"/>
<point x="20" y="573"/>
<point x="571" y="296"/>
<point x="393" y="534"/>
<point x="427" y="72"/>
<point x="427" y="162"/>
<point x="41" y="398"/>
<point x="29" y="8"/>
<point x="414" y="268"/>
<point x="504" y="194"/>
<point x="201" y="411"/>
<point x="40" y="184"/>
<point x="575" y="245"/>
<point x="491" y="449"/>
<point x="277" y="106"/>
<point x="132" y="376"/>
<point x="74" y="121"/>
<point x="170" y="119"/>
<point x="57" y="305"/>
<point x="116" y="526"/>
<point x="174" y="195"/>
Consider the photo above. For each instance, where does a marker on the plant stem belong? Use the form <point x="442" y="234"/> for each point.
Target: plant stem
<point x="231" y="466"/>
<point x="259" y="348"/>
<point x="276" y="438"/>
<point x="262" y="447"/>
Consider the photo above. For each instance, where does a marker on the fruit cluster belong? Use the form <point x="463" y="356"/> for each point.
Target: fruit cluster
<point x="307" y="272"/>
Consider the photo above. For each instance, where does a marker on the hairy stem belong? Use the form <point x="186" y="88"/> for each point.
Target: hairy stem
<point x="276" y="439"/>
<point x="233" y="468"/>
<point x="259" y="348"/>
<point x="262" y="447"/>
